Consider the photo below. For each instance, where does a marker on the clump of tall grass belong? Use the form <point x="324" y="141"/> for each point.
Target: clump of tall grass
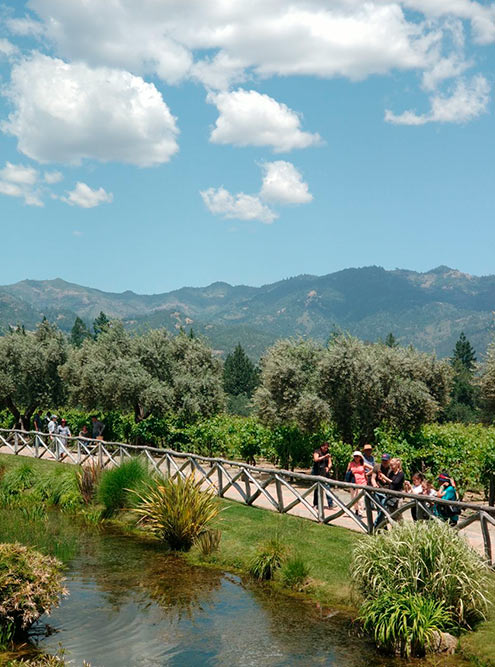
<point x="18" y="478"/>
<point x="88" y="478"/>
<point x="268" y="558"/>
<point x="209" y="541"/>
<point x="405" y="624"/>
<point x="117" y="484"/>
<point x="295" y="573"/>
<point x="60" y="488"/>
<point x="31" y="584"/>
<point x="426" y="558"/>
<point x="177" y="511"/>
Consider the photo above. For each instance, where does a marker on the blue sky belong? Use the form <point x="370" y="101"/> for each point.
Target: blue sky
<point x="179" y="143"/>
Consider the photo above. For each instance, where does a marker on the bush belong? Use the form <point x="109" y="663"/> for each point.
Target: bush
<point x="30" y="585"/>
<point x="295" y="573"/>
<point x="404" y="624"/>
<point x="59" y="487"/>
<point x="177" y="511"/>
<point x="268" y="558"/>
<point x="117" y="483"/>
<point x="426" y="558"/>
<point x="19" y="478"/>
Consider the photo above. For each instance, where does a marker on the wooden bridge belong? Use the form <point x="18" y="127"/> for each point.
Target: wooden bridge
<point x="280" y="490"/>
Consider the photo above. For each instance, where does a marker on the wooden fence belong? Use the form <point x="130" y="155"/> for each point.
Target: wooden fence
<point x="281" y="490"/>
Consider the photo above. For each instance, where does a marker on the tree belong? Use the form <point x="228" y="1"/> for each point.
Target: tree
<point x="79" y="333"/>
<point x="464" y="395"/>
<point x="29" y="371"/>
<point x="464" y="353"/>
<point x="391" y="340"/>
<point x="366" y="385"/>
<point x="487" y="383"/>
<point x="288" y="391"/>
<point x="240" y="375"/>
<point x="149" y="374"/>
<point x="100" y="324"/>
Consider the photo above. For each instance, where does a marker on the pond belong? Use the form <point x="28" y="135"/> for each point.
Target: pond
<point x="131" y="603"/>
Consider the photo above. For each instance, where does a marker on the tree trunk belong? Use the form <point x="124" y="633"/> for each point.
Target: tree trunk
<point x="15" y="412"/>
<point x="26" y="419"/>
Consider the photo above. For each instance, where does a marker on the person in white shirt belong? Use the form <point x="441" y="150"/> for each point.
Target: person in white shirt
<point x="52" y="426"/>
<point x="64" y="431"/>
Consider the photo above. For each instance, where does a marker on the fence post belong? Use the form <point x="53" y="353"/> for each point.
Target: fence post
<point x="491" y="494"/>
<point x="280" y="496"/>
<point x="487" y="543"/>
<point x="100" y="455"/>
<point x="368" y="505"/>
<point x="220" y="480"/>
<point x="16" y="442"/>
<point x="321" y="502"/>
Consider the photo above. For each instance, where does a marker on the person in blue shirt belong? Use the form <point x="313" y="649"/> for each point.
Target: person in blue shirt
<point x="447" y="491"/>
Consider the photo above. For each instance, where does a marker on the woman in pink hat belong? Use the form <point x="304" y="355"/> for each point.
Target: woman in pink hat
<point x="359" y="469"/>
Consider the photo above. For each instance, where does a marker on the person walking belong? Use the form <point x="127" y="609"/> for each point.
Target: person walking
<point x="380" y="479"/>
<point x="63" y="431"/>
<point x="52" y="426"/>
<point x="98" y="428"/>
<point x="358" y="468"/>
<point x="38" y="422"/>
<point x="370" y="460"/>
<point x="322" y="464"/>
<point x="415" y="486"/>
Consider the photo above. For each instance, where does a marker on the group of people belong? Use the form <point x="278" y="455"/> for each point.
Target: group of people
<point x="49" y="424"/>
<point x="363" y="470"/>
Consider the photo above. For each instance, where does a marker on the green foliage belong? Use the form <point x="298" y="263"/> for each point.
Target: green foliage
<point x="177" y="511"/>
<point x="88" y="478"/>
<point x="116" y="485"/>
<point x="29" y="377"/>
<point x="240" y="375"/>
<point x="100" y="324"/>
<point x="404" y="624"/>
<point x="268" y="559"/>
<point x="425" y="558"/>
<point x="79" y="333"/>
<point x="209" y="542"/>
<point x="151" y="374"/>
<point x="464" y="353"/>
<point x="19" y="478"/>
<point x="295" y="573"/>
<point x="30" y="585"/>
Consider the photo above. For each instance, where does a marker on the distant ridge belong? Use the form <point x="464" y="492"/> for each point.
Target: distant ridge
<point x="427" y="309"/>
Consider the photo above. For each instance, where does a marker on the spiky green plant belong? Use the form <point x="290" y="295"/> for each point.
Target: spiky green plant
<point x="268" y="558"/>
<point x="18" y="478"/>
<point x="88" y="478"/>
<point x="428" y="558"/>
<point x="405" y="624"/>
<point x="295" y="573"/>
<point x="177" y="511"/>
<point x="209" y="541"/>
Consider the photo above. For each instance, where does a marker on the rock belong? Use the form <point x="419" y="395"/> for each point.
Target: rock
<point x="443" y="642"/>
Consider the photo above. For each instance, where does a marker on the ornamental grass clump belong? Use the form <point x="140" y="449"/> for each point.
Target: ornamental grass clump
<point x="404" y="624"/>
<point x="428" y="558"/>
<point x="177" y="511"/>
<point x="295" y="573"/>
<point x="30" y="585"/>
<point x="117" y="484"/>
<point x="267" y="560"/>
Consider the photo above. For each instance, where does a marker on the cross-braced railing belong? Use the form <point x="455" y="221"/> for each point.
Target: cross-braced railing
<point x="281" y="490"/>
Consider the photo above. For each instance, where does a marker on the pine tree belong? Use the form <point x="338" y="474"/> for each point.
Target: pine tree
<point x="391" y="340"/>
<point x="79" y="333"/>
<point x="240" y="375"/>
<point x="100" y="324"/>
<point x="464" y="353"/>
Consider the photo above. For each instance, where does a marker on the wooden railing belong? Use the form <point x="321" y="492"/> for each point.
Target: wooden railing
<point x="282" y="490"/>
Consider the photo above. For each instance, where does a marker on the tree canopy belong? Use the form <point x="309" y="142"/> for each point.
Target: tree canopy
<point x="240" y="375"/>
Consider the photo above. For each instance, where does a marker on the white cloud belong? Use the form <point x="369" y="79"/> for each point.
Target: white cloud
<point x="85" y="197"/>
<point x="17" y="180"/>
<point x="249" y="118"/>
<point x="67" y="112"/>
<point x="467" y="101"/>
<point x="7" y="48"/>
<point x="283" y="183"/>
<point x="219" y="201"/>
<point x="52" y="177"/>
<point x="18" y="173"/>
<point x="347" y="38"/>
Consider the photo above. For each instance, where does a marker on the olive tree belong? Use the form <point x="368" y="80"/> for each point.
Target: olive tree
<point x="366" y="385"/>
<point x="154" y="373"/>
<point x="29" y="371"/>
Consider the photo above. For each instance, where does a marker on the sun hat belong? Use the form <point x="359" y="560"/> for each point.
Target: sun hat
<point x="368" y="446"/>
<point x="357" y="453"/>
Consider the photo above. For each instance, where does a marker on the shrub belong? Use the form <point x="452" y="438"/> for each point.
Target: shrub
<point x="426" y="558"/>
<point x="30" y="585"/>
<point x="177" y="511"/>
<point x="116" y="484"/>
<point x="88" y="477"/>
<point x="19" y="478"/>
<point x="268" y="558"/>
<point x="58" y="487"/>
<point x="295" y="573"/>
<point x="404" y="624"/>
<point x="209" y="542"/>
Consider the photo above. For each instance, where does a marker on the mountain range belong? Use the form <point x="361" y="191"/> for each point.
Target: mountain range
<point x="428" y="310"/>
